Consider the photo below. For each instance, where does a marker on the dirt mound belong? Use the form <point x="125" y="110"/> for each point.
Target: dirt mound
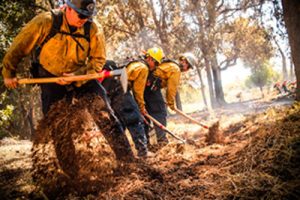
<point x="260" y="160"/>
<point x="69" y="153"/>
<point x="215" y="135"/>
<point x="268" y="166"/>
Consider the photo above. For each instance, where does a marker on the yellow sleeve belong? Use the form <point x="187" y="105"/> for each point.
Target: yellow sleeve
<point x="33" y="33"/>
<point x="172" y="85"/>
<point x="139" y="78"/>
<point x="97" y="48"/>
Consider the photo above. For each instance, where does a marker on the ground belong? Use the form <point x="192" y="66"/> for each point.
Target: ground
<point x="194" y="170"/>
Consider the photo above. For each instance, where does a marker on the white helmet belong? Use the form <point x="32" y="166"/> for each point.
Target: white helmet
<point x="190" y="58"/>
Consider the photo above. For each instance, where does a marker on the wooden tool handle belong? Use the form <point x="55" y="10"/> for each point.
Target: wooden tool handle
<point x="190" y="118"/>
<point x="157" y="123"/>
<point x="65" y="78"/>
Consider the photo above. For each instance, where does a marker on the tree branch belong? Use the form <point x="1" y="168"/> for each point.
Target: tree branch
<point x="228" y="63"/>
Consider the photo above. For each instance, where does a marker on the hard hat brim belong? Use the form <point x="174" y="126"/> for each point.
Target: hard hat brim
<point x="81" y="11"/>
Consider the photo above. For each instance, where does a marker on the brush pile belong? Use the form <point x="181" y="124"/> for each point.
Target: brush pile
<point x="257" y="158"/>
<point x="268" y="166"/>
<point x="69" y="153"/>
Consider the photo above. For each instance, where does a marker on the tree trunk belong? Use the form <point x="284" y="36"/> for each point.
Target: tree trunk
<point x="283" y="57"/>
<point x="178" y="101"/>
<point x="292" y="74"/>
<point x="262" y="92"/>
<point x="30" y="117"/>
<point x="292" y="22"/>
<point x="218" y="82"/>
<point x="210" y="84"/>
<point x="202" y="87"/>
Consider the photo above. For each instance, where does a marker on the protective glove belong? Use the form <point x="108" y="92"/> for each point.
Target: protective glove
<point x="80" y="83"/>
<point x="11" y="83"/>
<point x="143" y="110"/>
<point x="172" y="106"/>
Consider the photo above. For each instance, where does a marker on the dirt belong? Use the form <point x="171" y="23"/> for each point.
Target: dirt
<point x="246" y="164"/>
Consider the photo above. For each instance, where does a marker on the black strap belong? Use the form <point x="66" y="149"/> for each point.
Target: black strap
<point x="153" y="82"/>
<point x="57" y="20"/>
<point x="87" y="29"/>
<point x="137" y="60"/>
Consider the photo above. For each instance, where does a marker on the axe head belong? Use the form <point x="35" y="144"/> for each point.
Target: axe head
<point x="123" y="77"/>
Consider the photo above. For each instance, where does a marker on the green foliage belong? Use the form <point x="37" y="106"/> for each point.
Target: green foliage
<point x="13" y="15"/>
<point x="249" y="41"/>
<point x="262" y="76"/>
<point x="6" y="112"/>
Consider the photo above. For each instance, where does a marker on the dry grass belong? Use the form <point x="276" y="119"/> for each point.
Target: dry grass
<point x="268" y="166"/>
<point x="259" y="159"/>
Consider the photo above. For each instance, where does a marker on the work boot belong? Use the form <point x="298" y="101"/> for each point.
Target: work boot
<point x="162" y="142"/>
<point x="146" y="155"/>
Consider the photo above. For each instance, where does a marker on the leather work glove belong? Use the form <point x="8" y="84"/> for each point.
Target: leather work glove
<point x="88" y="71"/>
<point x="172" y="106"/>
<point x="11" y="83"/>
<point x="143" y="110"/>
<point x="62" y="81"/>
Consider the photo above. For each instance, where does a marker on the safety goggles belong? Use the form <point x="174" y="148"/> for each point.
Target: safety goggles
<point x="81" y="16"/>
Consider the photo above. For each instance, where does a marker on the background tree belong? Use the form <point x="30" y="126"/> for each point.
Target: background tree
<point x="17" y="106"/>
<point x="210" y="18"/>
<point x="262" y="76"/>
<point x="283" y="59"/>
<point x="177" y="26"/>
<point x="292" y="22"/>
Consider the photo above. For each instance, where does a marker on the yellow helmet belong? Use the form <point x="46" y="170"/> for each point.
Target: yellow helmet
<point x="156" y="53"/>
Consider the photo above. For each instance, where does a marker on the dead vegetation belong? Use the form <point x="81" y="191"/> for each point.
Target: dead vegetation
<point x="258" y="159"/>
<point x="69" y="153"/>
<point x="268" y="166"/>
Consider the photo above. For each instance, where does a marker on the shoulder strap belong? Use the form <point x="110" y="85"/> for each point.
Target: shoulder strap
<point x="57" y="20"/>
<point x="87" y="29"/>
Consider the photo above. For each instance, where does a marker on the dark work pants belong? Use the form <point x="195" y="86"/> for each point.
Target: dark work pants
<point x="114" y="134"/>
<point x="128" y="112"/>
<point x="156" y="107"/>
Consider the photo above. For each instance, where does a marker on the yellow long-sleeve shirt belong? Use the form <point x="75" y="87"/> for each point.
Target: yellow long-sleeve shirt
<point x="169" y="73"/>
<point x="61" y="54"/>
<point x="137" y="74"/>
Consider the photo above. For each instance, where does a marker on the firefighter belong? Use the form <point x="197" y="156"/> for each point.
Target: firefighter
<point x="126" y="110"/>
<point x="166" y="75"/>
<point x="285" y="87"/>
<point x="138" y="70"/>
<point x="66" y="42"/>
<point x="277" y="88"/>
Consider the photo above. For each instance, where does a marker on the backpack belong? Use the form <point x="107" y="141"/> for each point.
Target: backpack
<point x="126" y="63"/>
<point x="57" y="20"/>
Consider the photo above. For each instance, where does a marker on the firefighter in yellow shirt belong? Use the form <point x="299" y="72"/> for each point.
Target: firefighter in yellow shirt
<point x="137" y="71"/>
<point x="166" y="75"/>
<point x="66" y="42"/>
